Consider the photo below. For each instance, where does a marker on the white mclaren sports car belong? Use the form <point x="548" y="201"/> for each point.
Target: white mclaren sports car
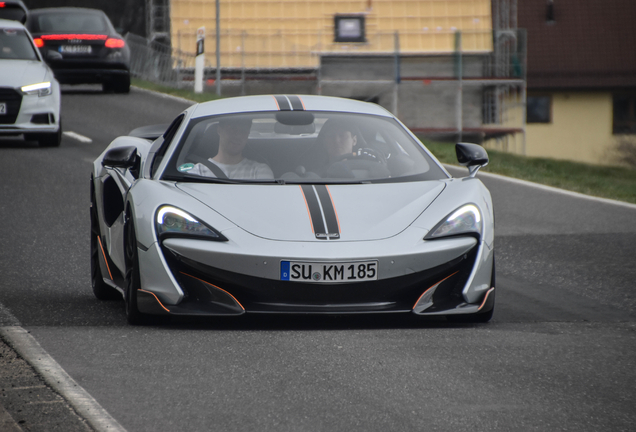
<point x="289" y="204"/>
<point x="29" y="93"/>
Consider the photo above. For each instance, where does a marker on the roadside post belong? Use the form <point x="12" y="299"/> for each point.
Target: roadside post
<point x="199" y="61"/>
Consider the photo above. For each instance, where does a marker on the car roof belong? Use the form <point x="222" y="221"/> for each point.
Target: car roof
<point x="268" y="103"/>
<point x="11" y="24"/>
<point x="13" y="4"/>
<point x="65" y="9"/>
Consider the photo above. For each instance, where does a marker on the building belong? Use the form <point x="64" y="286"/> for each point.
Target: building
<point x="581" y="77"/>
<point x="450" y="69"/>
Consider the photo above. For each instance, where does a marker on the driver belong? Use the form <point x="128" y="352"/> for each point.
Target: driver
<point x="233" y="135"/>
<point x="340" y="138"/>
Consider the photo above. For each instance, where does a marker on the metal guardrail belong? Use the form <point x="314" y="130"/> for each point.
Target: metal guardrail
<point x="157" y="62"/>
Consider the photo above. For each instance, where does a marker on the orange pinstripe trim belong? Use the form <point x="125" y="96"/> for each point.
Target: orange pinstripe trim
<point x="485" y="298"/>
<point x="334" y="209"/>
<point x="277" y="106"/>
<point x="104" y="255"/>
<point x="311" y="222"/>
<point x="194" y="277"/>
<point x="431" y="287"/>
<point x="301" y="101"/>
<point x="156" y="298"/>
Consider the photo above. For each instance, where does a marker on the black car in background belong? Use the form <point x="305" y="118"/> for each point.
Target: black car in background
<point x="13" y="10"/>
<point x="82" y="47"/>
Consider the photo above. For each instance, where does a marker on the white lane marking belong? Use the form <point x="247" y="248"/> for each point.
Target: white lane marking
<point x="80" y="138"/>
<point x="56" y="377"/>
<point x="548" y="188"/>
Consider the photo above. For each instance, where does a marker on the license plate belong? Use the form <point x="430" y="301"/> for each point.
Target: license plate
<point x="3" y="108"/>
<point x="318" y="272"/>
<point x="76" y="49"/>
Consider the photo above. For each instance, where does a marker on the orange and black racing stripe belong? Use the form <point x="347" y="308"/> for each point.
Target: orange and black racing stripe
<point x="289" y="103"/>
<point x="322" y="212"/>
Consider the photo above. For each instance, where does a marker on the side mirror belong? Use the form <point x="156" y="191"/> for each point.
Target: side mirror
<point x="53" y="55"/>
<point x="120" y="157"/>
<point x="472" y="156"/>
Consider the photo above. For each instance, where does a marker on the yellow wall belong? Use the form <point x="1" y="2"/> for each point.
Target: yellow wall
<point x="283" y="33"/>
<point x="581" y="129"/>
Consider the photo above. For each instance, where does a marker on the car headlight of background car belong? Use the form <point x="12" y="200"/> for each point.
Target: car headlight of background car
<point x="174" y="222"/>
<point x="466" y="219"/>
<point x="42" y="89"/>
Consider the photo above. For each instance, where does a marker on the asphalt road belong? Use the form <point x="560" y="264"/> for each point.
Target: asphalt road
<point x="560" y="353"/>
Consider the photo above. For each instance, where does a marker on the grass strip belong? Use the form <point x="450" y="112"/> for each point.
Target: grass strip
<point x="616" y="183"/>
<point x="601" y="181"/>
<point x="183" y="93"/>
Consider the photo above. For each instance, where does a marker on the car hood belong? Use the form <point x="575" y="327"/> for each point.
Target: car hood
<point x="17" y="73"/>
<point x="317" y="212"/>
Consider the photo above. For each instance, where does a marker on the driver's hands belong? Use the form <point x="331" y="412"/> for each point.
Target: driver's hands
<point x="369" y="154"/>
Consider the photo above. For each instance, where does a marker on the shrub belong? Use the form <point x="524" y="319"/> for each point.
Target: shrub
<point x="623" y="151"/>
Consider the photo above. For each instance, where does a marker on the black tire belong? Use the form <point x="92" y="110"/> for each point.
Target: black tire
<point x="53" y="139"/>
<point x="117" y="85"/>
<point x="482" y="317"/>
<point x="101" y="289"/>
<point x="133" y="279"/>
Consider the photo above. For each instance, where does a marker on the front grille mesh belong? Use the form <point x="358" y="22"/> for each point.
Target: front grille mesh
<point x="13" y="100"/>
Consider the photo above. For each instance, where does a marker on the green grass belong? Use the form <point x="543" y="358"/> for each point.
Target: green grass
<point x="184" y="93"/>
<point x="601" y="181"/>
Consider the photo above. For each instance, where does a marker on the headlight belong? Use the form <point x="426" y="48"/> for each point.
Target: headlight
<point x="172" y="221"/>
<point x="42" y="89"/>
<point x="466" y="219"/>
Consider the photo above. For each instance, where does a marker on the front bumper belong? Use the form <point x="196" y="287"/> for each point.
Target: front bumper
<point x="235" y="284"/>
<point x="29" y="113"/>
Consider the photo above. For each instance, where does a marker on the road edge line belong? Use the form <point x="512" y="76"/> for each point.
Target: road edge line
<point x="164" y="95"/>
<point x="55" y="376"/>
<point x="549" y="188"/>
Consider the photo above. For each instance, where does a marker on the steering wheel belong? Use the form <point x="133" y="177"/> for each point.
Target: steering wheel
<point x="218" y="172"/>
<point x="365" y="163"/>
<point x="366" y="153"/>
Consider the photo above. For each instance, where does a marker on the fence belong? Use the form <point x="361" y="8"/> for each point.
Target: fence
<point x="258" y="63"/>
<point x="157" y="62"/>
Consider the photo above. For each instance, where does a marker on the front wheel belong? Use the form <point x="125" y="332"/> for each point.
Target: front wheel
<point x="46" y="139"/>
<point x="133" y="279"/>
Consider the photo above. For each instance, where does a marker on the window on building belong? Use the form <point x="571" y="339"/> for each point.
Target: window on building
<point x="624" y="114"/>
<point x="490" y="107"/>
<point x="349" y="28"/>
<point x="538" y="109"/>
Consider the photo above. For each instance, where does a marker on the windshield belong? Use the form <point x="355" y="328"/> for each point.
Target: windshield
<point x="16" y="45"/>
<point x="69" y="22"/>
<point x="299" y="147"/>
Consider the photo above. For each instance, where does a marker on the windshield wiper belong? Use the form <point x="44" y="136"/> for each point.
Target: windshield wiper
<point x="199" y="179"/>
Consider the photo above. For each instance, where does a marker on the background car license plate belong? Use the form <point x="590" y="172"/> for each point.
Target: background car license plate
<point x="328" y="272"/>
<point x="3" y="108"/>
<point x="76" y="49"/>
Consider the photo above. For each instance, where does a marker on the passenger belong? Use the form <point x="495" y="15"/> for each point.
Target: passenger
<point x="229" y="161"/>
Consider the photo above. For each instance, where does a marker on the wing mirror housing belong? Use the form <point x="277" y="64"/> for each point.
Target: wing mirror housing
<point x="472" y="156"/>
<point x="120" y="157"/>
